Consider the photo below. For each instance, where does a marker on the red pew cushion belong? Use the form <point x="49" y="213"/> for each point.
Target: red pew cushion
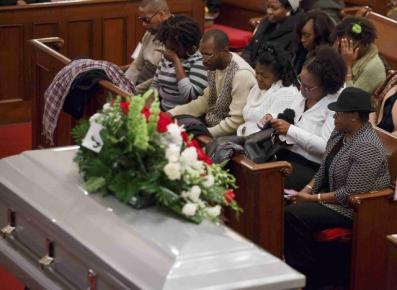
<point x="238" y="38"/>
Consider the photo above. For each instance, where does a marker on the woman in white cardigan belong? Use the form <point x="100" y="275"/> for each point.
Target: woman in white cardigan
<point x="320" y="82"/>
<point x="275" y="90"/>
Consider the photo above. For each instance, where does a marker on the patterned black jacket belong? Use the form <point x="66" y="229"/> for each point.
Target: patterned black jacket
<point x="359" y="166"/>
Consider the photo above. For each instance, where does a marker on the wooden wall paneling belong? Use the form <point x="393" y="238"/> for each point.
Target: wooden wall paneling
<point x="79" y="39"/>
<point x="114" y="34"/>
<point x="13" y="105"/>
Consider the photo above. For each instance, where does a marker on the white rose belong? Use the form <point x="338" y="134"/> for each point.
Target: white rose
<point x="172" y="153"/>
<point x="175" y="132"/>
<point x="214" y="211"/>
<point x="189" y="209"/>
<point x="209" y="181"/>
<point x="194" y="193"/>
<point x="189" y="156"/>
<point x="173" y="171"/>
<point x="185" y="194"/>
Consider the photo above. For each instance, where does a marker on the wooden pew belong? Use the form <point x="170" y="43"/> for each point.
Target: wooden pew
<point x="376" y="5"/>
<point x="97" y="29"/>
<point x="237" y="13"/>
<point x="387" y="37"/>
<point x="260" y="185"/>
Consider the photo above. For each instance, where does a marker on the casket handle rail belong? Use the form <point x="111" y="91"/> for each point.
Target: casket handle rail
<point x="10" y="227"/>
<point x="48" y="259"/>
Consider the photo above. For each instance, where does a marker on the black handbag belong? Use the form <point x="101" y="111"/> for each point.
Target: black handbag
<point x="263" y="146"/>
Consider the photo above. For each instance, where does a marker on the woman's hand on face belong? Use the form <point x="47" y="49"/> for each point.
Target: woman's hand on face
<point x="348" y="51"/>
<point x="280" y="126"/>
<point x="169" y="54"/>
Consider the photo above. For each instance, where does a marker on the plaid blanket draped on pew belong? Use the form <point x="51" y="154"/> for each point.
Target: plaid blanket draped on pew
<point x="58" y="90"/>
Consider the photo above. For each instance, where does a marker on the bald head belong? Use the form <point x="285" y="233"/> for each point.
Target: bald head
<point x="158" y="5"/>
<point x="219" y="38"/>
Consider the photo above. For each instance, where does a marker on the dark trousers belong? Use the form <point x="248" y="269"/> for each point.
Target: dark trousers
<point x="323" y="263"/>
<point x="303" y="169"/>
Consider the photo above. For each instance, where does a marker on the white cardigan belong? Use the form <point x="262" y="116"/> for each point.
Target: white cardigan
<point x="312" y="128"/>
<point x="261" y="102"/>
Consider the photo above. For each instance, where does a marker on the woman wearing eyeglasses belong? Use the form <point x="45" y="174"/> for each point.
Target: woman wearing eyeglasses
<point x="320" y="81"/>
<point x="181" y="76"/>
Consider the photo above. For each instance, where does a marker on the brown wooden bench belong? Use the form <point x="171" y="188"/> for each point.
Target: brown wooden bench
<point x="387" y="37"/>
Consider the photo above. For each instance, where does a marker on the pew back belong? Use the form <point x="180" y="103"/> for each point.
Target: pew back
<point x="387" y="37"/>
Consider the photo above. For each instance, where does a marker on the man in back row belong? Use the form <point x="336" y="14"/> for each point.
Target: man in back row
<point x="230" y="79"/>
<point x="152" y="13"/>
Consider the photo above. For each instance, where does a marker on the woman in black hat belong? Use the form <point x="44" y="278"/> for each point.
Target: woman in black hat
<point x="354" y="161"/>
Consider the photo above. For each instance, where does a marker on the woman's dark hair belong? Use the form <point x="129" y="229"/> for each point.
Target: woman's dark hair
<point x="180" y="30"/>
<point x="279" y="62"/>
<point x="329" y="68"/>
<point x="322" y="26"/>
<point x="357" y="28"/>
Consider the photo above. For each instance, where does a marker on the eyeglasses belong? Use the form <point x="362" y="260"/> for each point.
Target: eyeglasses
<point x="306" y="88"/>
<point x="146" y="19"/>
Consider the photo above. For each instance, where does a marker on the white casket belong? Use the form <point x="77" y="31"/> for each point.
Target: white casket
<point x="56" y="236"/>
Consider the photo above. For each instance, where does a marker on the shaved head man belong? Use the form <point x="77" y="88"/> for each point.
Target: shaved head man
<point x="152" y="13"/>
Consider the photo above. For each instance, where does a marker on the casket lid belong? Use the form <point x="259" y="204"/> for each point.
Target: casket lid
<point x="151" y="248"/>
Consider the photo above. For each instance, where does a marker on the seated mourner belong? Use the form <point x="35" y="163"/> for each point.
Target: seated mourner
<point x="321" y="79"/>
<point x="141" y="71"/>
<point x="230" y="80"/>
<point x="180" y="76"/>
<point x="354" y="162"/>
<point x="354" y="37"/>
<point x="278" y="26"/>
<point x="274" y="92"/>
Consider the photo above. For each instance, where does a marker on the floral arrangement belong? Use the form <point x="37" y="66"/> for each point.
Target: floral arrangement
<point x="142" y="156"/>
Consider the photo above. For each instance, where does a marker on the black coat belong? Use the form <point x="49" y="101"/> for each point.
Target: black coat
<point x="283" y="34"/>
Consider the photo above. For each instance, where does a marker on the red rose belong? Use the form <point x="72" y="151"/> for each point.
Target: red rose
<point x="164" y="121"/>
<point x="185" y="136"/>
<point x="200" y="153"/>
<point x="229" y="196"/>
<point x="145" y="111"/>
<point x="125" y="107"/>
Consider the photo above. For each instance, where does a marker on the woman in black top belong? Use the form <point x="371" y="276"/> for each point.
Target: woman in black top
<point x="388" y="112"/>
<point x="313" y="30"/>
<point x="278" y="26"/>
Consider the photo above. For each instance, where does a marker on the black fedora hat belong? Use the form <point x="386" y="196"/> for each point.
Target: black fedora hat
<point x="352" y="99"/>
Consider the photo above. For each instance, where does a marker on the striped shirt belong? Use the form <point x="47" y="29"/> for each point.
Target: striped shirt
<point x="172" y="92"/>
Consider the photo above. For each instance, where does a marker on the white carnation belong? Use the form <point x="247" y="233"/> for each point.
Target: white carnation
<point x="172" y="153"/>
<point x="209" y="181"/>
<point x="96" y="117"/>
<point x="194" y="193"/>
<point x="175" y="132"/>
<point x="173" y="170"/>
<point x="106" y="107"/>
<point x="189" y="209"/>
<point x="214" y="211"/>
